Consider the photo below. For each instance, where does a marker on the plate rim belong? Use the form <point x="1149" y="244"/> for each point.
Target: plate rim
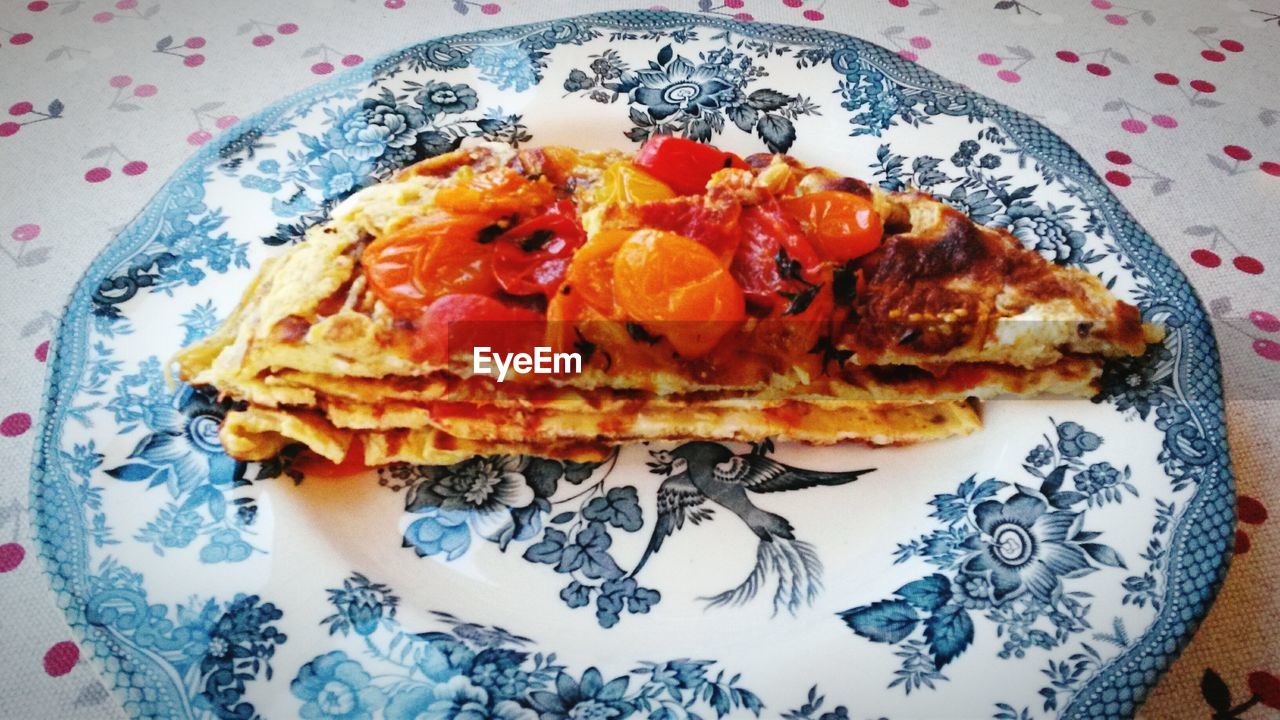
<point x="1158" y="646"/>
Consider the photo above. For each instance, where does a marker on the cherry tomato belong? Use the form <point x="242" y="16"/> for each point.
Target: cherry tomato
<point x="532" y="257"/>
<point x="430" y="256"/>
<point x="590" y="275"/>
<point x="841" y="225"/>
<point x="774" y="263"/>
<point x="495" y="193"/>
<point x="460" y="322"/>
<point x="709" y="220"/>
<point x="678" y="289"/>
<point x="623" y="182"/>
<point x="684" y="165"/>
<point x="315" y="466"/>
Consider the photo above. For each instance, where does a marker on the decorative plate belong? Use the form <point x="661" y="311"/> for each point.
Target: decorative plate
<point x="1052" y="564"/>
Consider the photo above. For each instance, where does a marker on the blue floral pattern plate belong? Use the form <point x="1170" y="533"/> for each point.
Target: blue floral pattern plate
<point x="1051" y="565"/>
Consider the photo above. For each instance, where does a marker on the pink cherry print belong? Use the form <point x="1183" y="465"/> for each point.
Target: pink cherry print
<point x="1165" y="121"/>
<point x="1117" y="19"/>
<point x="743" y="17"/>
<point x="1207" y="258"/>
<point x="394" y="4"/>
<point x="287" y="28"/>
<point x="921" y="42"/>
<point x="1102" y="4"/>
<point x="1268" y="349"/>
<point x="26" y="232"/>
<point x="1134" y="126"/>
<point x="11" y="555"/>
<point x="199" y="137"/>
<point x="322" y="68"/>
<point x="145" y="90"/>
<point x="134" y="167"/>
<point x="9" y="128"/>
<point x="793" y="3"/>
<point x="60" y="658"/>
<point x="1235" y="152"/>
<point x="15" y="424"/>
<point x="989" y="59"/>
<point x="263" y="40"/>
<point x="1265" y="321"/>
<point x="195" y="60"/>
<point x="103" y="17"/>
<point x="1009" y="76"/>
<point x="908" y="55"/>
<point x="120" y="81"/>
<point x="42" y="351"/>
<point x="495" y="8"/>
<point x="813" y="15"/>
<point x="1270" y="168"/>
<point x="194" y="42"/>
<point x="352" y="60"/>
<point x="226" y="121"/>
<point x="97" y="175"/>
<point x="126" y="4"/>
<point x="38" y="6"/>
<point x="734" y="4"/>
<point x="20" y="108"/>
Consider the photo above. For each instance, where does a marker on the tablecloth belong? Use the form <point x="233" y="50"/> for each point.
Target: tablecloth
<point x="1177" y="104"/>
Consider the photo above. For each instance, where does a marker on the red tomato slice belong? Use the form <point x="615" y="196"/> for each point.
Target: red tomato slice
<point x="532" y="257"/>
<point x="463" y="321"/>
<point x="684" y="165"/>
<point x="315" y="466"/>
<point x="774" y="258"/>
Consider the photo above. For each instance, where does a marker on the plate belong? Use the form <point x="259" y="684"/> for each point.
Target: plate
<point x="1052" y="564"/>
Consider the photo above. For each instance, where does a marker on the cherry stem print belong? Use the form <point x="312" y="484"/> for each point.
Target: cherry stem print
<point x="488" y="8"/>
<point x="1099" y="67"/>
<point x="1122" y="18"/>
<point x="1209" y="257"/>
<point x="1133" y="124"/>
<point x="130" y="7"/>
<point x="324" y="67"/>
<point x="66" y="51"/>
<point x="1017" y="53"/>
<point x="1239" y="155"/>
<point x="103" y="172"/>
<point x="733" y="9"/>
<point x="1017" y="6"/>
<point x="1198" y="88"/>
<point x="907" y="47"/>
<point x="1214" y="46"/>
<point x="263" y="36"/>
<point x="1268" y="16"/>
<point x="24" y="109"/>
<point x="165" y="46"/>
<point x="204" y="114"/>
<point x="1265" y="347"/>
<point x="27" y="255"/>
<point x="17" y="38"/>
<point x="122" y="83"/>
<point x="1160" y="184"/>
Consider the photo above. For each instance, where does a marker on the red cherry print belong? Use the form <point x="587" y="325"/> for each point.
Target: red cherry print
<point x="60" y="658"/>
<point x="1207" y="258"/>
<point x="1267" y="687"/>
<point x="38" y="6"/>
<point x="9" y="128"/>
<point x="20" y="108"/>
<point x="42" y="351"/>
<point x="989" y="59"/>
<point x="899" y="3"/>
<point x="15" y="424"/>
<point x="1270" y="168"/>
<point x="1098" y="69"/>
<point x="352" y="60"/>
<point x="226" y="121"/>
<point x="1134" y="125"/>
<point x="11" y="555"/>
<point x="1115" y="177"/>
<point x="145" y="90"/>
<point x="322" y="68"/>
<point x="908" y="55"/>
<point x="194" y="43"/>
<point x="134" y="167"/>
<point x="25" y="232"/>
<point x="1203" y="86"/>
<point x="195" y="60"/>
<point x="1232" y="45"/>
<point x="263" y="40"/>
<point x="1102" y="4"/>
<point x="813" y="15"/>
<point x="287" y="28"/>
<point x="793" y="3"/>
<point x="97" y="175"/>
<point x="1068" y="56"/>
<point x="1166" y="78"/>
<point x="394" y="4"/>
<point x="199" y="137"/>
<point x="1242" y="543"/>
<point x="103" y="17"/>
<point x="1264" y="321"/>
<point x="1235" y="152"/>
<point x="1247" y="264"/>
<point x="1009" y="76"/>
<point x="120" y="81"/>
<point x="1212" y="55"/>
<point x="743" y="17"/>
<point x="1165" y="121"/>
<point x="1117" y="19"/>
<point x="734" y="4"/>
<point x="126" y="4"/>
<point x="21" y="38"/>
<point x="491" y="8"/>
<point x="1268" y="349"/>
<point x="1249" y="510"/>
<point x="1119" y="158"/>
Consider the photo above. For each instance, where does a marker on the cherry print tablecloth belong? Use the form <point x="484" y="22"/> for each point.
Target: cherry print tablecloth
<point x="1176" y="103"/>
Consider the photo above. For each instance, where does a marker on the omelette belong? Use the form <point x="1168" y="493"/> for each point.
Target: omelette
<point x="701" y="294"/>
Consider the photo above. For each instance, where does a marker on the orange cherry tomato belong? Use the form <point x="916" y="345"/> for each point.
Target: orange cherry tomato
<point x="623" y="182"/>
<point x="590" y="275"/>
<point x="842" y="225"/>
<point x="495" y="193"/>
<point x="433" y="255"/>
<point x="678" y="289"/>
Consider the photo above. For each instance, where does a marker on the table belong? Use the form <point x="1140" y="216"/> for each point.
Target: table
<point x="1176" y="103"/>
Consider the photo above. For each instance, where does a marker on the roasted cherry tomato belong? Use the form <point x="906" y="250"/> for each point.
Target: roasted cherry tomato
<point x="684" y="165"/>
<point x="460" y="322"/>
<point x="775" y="265"/>
<point x="590" y="275"/>
<point x="430" y="256"/>
<point x="678" y="289"/>
<point x="315" y="466"/>
<point x="712" y="221"/>
<point x="841" y="225"/>
<point x="623" y="182"/>
<point x="532" y="257"/>
<point x="495" y="193"/>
